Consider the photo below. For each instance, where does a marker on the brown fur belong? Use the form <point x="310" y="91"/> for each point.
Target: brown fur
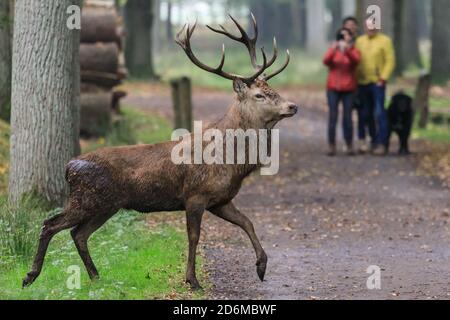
<point x="145" y="179"/>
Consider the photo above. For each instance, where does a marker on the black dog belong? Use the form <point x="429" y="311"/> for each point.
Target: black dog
<point x="400" y="116"/>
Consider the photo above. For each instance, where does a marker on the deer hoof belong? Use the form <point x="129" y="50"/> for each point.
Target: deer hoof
<point x="29" y="279"/>
<point x="261" y="270"/>
<point x="195" y="285"/>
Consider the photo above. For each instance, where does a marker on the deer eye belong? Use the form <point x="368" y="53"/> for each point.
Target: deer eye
<point x="259" y="96"/>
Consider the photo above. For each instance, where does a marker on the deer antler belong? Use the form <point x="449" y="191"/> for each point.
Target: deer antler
<point x="288" y="59"/>
<point x="249" y="42"/>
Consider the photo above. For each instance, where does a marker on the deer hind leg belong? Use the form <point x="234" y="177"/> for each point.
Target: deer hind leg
<point x="194" y="214"/>
<point x="50" y="228"/>
<point x="231" y="214"/>
<point x="80" y="235"/>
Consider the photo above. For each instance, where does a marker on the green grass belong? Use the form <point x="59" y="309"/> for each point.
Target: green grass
<point x="303" y="68"/>
<point x="135" y="127"/>
<point x="439" y="103"/>
<point x="4" y="155"/>
<point x="433" y="133"/>
<point x="135" y="261"/>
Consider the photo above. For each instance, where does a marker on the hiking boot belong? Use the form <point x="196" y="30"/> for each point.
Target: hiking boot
<point x="380" y="151"/>
<point x="349" y="150"/>
<point x="363" y="147"/>
<point x="331" y="150"/>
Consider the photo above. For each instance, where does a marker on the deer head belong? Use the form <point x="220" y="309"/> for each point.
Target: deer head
<point x="256" y="99"/>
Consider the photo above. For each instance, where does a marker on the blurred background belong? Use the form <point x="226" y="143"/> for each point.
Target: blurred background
<point x="306" y="27"/>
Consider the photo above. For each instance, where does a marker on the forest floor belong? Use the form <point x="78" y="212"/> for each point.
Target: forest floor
<point x="323" y="221"/>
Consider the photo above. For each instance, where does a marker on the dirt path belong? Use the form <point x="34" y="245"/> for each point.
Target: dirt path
<point x="323" y="221"/>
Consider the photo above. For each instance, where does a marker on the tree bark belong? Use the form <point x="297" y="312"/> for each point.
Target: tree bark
<point x="138" y="44"/>
<point x="182" y="103"/>
<point x="440" y="64"/>
<point x="76" y="88"/>
<point x="42" y="131"/>
<point x="5" y="60"/>
<point x="421" y="99"/>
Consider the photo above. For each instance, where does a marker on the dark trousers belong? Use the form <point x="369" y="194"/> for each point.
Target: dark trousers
<point x="366" y="119"/>
<point x="334" y="98"/>
<point x="372" y="114"/>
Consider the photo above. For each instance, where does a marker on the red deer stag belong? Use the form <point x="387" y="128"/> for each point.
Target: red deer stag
<point x="145" y="179"/>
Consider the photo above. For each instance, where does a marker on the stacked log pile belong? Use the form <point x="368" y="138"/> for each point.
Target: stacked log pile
<point x="102" y="66"/>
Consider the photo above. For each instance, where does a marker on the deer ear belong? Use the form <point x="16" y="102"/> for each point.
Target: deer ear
<point x="240" y="87"/>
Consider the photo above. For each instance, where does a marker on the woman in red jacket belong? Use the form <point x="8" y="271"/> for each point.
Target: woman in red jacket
<point x="342" y="60"/>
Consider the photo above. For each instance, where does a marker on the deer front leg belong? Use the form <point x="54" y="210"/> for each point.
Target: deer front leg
<point x="194" y="214"/>
<point x="231" y="214"/>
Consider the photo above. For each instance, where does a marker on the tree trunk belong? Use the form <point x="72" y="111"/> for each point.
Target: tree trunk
<point x="138" y="44"/>
<point x="76" y="88"/>
<point x="298" y="16"/>
<point x="157" y="27"/>
<point x="169" y="30"/>
<point x="5" y="60"/>
<point x="423" y="12"/>
<point x="182" y="103"/>
<point x="421" y="99"/>
<point x="335" y="6"/>
<point x="411" y="51"/>
<point x="440" y="64"/>
<point x="317" y="35"/>
<point x="398" y="35"/>
<point x="42" y="139"/>
<point x="348" y="8"/>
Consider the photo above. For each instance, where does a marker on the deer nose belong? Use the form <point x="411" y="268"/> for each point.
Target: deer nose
<point x="293" y="108"/>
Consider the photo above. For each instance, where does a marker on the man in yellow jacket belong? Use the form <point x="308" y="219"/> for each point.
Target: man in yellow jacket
<point x="375" y="69"/>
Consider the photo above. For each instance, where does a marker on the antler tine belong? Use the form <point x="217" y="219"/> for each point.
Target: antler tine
<point x="260" y="70"/>
<point x="288" y="57"/>
<point x="245" y="39"/>
<point x="255" y="26"/>
<point x="275" y="53"/>
<point x="224" y="31"/>
<point x="178" y="39"/>
<point x="185" y="44"/>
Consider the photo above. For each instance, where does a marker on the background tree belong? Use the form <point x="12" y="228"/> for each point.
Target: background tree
<point x="169" y="29"/>
<point x="406" y="35"/>
<point x="42" y="139"/>
<point x="5" y="60"/>
<point x="335" y="7"/>
<point x="440" y="60"/>
<point x="316" y="28"/>
<point x="138" y="45"/>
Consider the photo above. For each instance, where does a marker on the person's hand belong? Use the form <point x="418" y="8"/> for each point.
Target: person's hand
<point x="334" y="45"/>
<point x="343" y="44"/>
<point x="381" y="83"/>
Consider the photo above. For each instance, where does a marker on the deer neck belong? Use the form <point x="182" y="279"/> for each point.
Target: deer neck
<point x="239" y="116"/>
